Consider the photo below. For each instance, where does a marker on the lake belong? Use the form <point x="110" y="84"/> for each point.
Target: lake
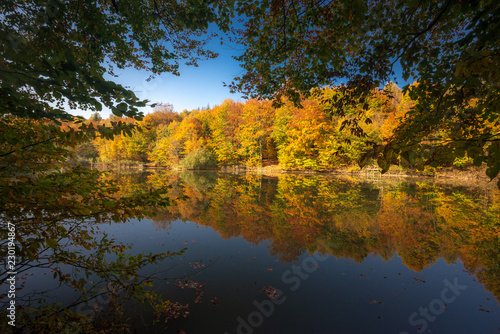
<point x="317" y="253"/>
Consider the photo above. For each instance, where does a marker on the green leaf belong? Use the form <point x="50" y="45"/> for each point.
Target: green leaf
<point x="116" y="112"/>
<point x="493" y="170"/>
<point x="122" y="107"/>
<point x="52" y="243"/>
<point x="383" y="164"/>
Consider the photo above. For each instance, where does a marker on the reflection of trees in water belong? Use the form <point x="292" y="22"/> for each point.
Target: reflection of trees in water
<point x="57" y="229"/>
<point x="422" y="222"/>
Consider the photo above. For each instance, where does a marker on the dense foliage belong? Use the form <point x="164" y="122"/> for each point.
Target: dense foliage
<point x="450" y="47"/>
<point x="58" y="52"/>
<point x="256" y="133"/>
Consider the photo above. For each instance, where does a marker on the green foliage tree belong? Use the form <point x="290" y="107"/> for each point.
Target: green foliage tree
<point x="58" y="51"/>
<point x="450" y="47"/>
<point x="51" y="212"/>
<point x="198" y="159"/>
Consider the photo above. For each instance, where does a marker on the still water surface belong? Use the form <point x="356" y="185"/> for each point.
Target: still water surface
<point x="319" y="254"/>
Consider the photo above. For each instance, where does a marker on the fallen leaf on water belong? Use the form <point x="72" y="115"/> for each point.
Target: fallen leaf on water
<point x="373" y="301"/>
<point x="270" y="291"/>
<point x="189" y="284"/>
<point x="199" y="298"/>
<point x="197" y="265"/>
<point x="418" y="280"/>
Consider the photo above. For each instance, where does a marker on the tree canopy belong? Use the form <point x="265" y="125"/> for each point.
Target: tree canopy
<point x="56" y="52"/>
<point x="451" y="48"/>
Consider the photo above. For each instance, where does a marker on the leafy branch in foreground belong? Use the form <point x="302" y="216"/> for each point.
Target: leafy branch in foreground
<point x="450" y="48"/>
<point x="56" y="212"/>
<point x="56" y="53"/>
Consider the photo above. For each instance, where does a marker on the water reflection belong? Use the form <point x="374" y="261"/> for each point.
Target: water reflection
<point x="421" y="222"/>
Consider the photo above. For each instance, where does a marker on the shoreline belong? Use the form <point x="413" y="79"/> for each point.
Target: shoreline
<point x="471" y="173"/>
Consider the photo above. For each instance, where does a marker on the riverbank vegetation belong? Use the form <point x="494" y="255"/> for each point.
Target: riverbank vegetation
<point x="256" y="134"/>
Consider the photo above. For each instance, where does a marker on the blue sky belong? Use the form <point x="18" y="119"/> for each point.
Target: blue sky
<point x="196" y="87"/>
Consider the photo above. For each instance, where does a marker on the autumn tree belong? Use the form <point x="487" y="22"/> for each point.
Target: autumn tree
<point x="451" y="48"/>
<point x="301" y="136"/>
<point x="224" y="124"/>
<point x="255" y="131"/>
<point x="167" y="148"/>
<point x="155" y="124"/>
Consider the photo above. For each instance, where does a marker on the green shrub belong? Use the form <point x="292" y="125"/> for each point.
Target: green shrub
<point x="461" y="162"/>
<point x="200" y="158"/>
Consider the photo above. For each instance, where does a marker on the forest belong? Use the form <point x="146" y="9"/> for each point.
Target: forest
<point x="257" y="133"/>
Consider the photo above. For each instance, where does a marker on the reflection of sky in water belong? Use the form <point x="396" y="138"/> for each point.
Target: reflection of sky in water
<point x="337" y="295"/>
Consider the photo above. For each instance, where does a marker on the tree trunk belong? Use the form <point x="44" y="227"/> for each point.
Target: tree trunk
<point x="260" y="142"/>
